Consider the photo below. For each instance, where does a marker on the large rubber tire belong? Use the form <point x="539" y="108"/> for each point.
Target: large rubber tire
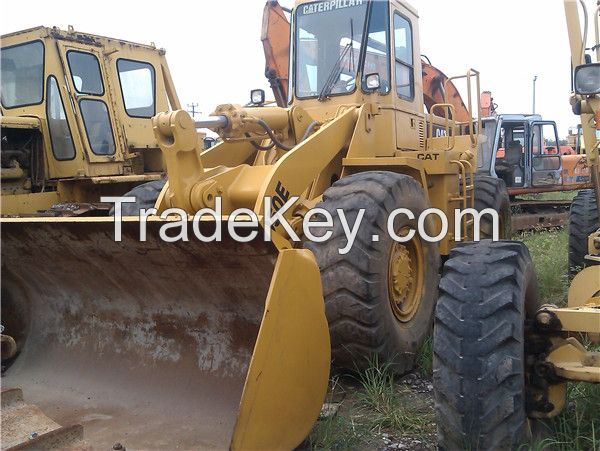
<point x="357" y="287"/>
<point x="583" y="220"/>
<point x="487" y="291"/>
<point x="490" y="192"/>
<point x="145" y="194"/>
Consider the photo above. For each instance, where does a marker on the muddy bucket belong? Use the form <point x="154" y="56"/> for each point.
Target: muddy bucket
<point x="157" y="345"/>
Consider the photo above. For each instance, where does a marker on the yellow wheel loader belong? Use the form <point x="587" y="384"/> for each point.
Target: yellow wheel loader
<point x="210" y="321"/>
<point x="503" y="358"/>
<point x="76" y="119"/>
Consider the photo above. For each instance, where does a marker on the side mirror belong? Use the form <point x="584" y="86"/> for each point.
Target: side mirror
<point x="372" y="82"/>
<point x="587" y="79"/>
<point x="257" y="97"/>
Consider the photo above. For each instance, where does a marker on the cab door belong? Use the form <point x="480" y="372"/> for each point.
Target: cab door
<point x="408" y="87"/>
<point x="546" y="162"/>
<point x="90" y="97"/>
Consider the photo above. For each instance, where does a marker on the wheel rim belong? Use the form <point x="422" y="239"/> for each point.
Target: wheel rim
<point x="405" y="277"/>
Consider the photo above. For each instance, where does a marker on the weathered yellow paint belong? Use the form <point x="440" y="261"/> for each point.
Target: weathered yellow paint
<point x="584" y="286"/>
<point x="573" y="362"/>
<point x="292" y="350"/>
<point x="18" y="204"/>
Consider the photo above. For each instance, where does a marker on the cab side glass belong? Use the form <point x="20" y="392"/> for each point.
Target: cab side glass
<point x="545" y="150"/>
<point x="97" y="126"/>
<point x="60" y="133"/>
<point x="137" y="81"/>
<point x="403" y="45"/>
<point x="85" y="71"/>
<point x="22" y="74"/>
<point x="377" y="56"/>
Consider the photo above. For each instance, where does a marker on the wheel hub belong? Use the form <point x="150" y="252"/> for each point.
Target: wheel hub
<point x="401" y="272"/>
<point x="405" y="278"/>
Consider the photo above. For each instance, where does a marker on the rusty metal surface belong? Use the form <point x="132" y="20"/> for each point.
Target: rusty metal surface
<point x="535" y="203"/>
<point x="25" y="426"/>
<point x="533" y="221"/>
<point x="512" y="191"/>
<point x="146" y="344"/>
<point x="532" y="214"/>
<point x="63" y="438"/>
<point x="71" y="209"/>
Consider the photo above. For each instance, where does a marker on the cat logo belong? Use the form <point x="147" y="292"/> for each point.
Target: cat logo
<point x="428" y="156"/>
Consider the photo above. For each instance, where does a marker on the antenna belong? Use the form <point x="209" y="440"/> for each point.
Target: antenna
<point x="192" y="109"/>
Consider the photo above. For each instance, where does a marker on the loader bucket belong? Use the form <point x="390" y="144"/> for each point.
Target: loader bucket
<point x="158" y="345"/>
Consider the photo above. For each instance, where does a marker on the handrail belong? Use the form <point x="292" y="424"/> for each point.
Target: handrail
<point x="467" y="188"/>
<point x="471" y="73"/>
<point x="448" y="112"/>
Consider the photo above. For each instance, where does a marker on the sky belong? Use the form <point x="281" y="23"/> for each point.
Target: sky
<point x="215" y="54"/>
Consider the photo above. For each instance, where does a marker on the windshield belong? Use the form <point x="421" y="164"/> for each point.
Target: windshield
<point x="328" y="41"/>
<point x="22" y="74"/>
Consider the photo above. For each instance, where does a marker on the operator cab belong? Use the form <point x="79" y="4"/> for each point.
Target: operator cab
<point x="522" y="150"/>
<point x="91" y="99"/>
<point x="353" y="51"/>
<point x="510" y="154"/>
<point x="330" y="44"/>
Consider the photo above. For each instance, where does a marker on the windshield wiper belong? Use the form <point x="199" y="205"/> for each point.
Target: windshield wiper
<point x="335" y="73"/>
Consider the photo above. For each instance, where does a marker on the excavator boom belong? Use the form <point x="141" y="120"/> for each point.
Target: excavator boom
<point x="275" y="36"/>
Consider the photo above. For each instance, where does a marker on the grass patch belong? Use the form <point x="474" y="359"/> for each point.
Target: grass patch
<point x="549" y="250"/>
<point x="338" y="431"/>
<point x="577" y="428"/>
<point x="376" y="406"/>
<point x="387" y="403"/>
<point x="424" y="361"/>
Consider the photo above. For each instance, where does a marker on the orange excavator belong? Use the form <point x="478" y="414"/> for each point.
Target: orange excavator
<point x="523" y="150"/>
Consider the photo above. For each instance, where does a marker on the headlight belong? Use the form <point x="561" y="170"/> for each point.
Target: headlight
<point x="373" y="82"/>
<point x="257" y="97"/>
<point x="587" y="79"/>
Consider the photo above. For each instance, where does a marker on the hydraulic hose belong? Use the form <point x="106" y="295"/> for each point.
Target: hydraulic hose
<point x="309" y="130"/>
<point x="259" y="147"/>
<point x="274" y="138"/>
<point x="277" y="142"/>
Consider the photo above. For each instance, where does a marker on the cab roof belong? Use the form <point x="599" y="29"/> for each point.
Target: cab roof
<point x="72" y="35"/>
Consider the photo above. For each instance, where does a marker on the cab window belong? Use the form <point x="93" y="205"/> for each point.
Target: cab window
<point x="329" y="37"/>
<point x="22" y="74"/>
<point x="377" y="54"/>
<point x="137" y="80"/>
<point x="85" y="70"/>
<point x="60" y="133"/>
<point x="403" y="51"/>
<point x="545" y="148"/>
<point x="97" y="126"/>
